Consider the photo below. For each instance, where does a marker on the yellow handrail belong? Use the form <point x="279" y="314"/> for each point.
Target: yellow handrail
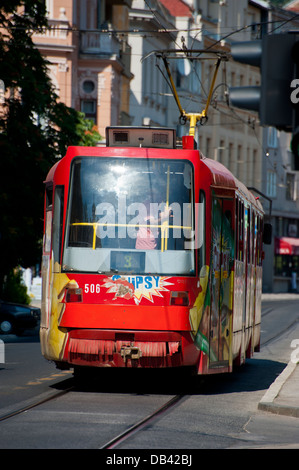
<point x="164" y="226"/>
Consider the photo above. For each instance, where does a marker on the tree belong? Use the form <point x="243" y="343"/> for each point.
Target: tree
<point x="278" y="3"/>
<point x="35" y="130"/>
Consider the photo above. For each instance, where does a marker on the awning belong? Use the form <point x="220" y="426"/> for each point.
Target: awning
<point x="287" y="246"/>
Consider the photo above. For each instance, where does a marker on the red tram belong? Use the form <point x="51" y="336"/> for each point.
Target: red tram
<point x="152" y="257"/>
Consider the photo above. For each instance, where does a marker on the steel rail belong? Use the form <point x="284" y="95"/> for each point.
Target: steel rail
<point x="141" y="424"/>
<point x="40" y="401"/>
<point x="279" y="334"/>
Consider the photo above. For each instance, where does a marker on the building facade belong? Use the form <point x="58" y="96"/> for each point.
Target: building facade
<point x="259" y="157"/>
<point x="89" y="61"/>
<point x="102" y="62"/>
<point x="231" y="136"/>
<point x="280" y="184"/>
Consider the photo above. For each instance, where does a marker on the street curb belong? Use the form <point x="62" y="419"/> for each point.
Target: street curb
<point x="267" y="402"/>
<point x="282" y="296"/>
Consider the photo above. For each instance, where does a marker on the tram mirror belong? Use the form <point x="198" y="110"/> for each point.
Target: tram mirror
<point x="267" y="235"/>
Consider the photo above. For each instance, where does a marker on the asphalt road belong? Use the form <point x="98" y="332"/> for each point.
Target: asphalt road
<point x="219" y="413"/>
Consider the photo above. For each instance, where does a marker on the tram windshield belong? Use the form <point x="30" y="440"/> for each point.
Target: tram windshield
<point x="130" y="216"/>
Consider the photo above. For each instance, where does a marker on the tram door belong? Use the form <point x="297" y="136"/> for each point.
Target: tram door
<point x="222" y="281"/>
<point x="45" y="307"/>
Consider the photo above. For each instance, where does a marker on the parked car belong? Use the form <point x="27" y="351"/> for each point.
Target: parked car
<point x="15" y="318"/>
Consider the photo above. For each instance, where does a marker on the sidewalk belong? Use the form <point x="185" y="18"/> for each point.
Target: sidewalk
<point x="283" y="395"/>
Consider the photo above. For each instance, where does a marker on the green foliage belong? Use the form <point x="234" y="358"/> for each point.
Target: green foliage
<point x="279" y="3"/>
<point x="87" y="131"/>
<point x="13" y="289"/>
<point x="35" y="130"/>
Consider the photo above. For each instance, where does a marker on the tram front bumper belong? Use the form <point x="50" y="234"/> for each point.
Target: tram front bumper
<point x="108" y="348"/>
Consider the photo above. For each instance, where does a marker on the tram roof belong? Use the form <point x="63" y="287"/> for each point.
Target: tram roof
<point x="222" y="177"/>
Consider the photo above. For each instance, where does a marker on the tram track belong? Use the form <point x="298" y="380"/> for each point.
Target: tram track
<point x="23" y="407"/>
<point x="142" y="423"/>
<point x="279" y="334"/>
<point x="32" y="403"/>
<point x="20" y="408"/>
<point x="269" y="312"/>
<point x="113" y="443"/>
<point x="120" y="438"/>
<point x="132" y="429"/>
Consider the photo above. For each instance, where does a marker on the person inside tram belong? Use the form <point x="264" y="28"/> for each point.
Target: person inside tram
<point x="155" y="214"/>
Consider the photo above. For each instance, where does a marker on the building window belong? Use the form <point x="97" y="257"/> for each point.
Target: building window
<point x="88" y="86"/>
<point x="188" y="76"/>
<point x="195" y="77"/>
<point x="89" y="108"/>
<point x="271" y="183"/>
<point x="221" y="152"/>
<point x="208" y="147"/>
<point x="285" y="265"/>
<point x="291" y="187"/>
<point x="272" y="137"/>
<point x="292" y="228"/>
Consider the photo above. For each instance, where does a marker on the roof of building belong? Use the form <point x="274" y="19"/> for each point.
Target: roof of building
<point x="292" y="6"/>
<point x="177" y="7"/>
<point x="260" y="4"/>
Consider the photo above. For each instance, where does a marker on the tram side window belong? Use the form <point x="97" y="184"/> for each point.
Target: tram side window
<point x="49" y="197"/>
<point x="201" y="230"/>
<point x="58" y="222"/>
<point x="248" y="225"/>
<point x="78" y="234"/>
<point x="240" y="230"/>
<point x="252" y="237"/>
<point x="259" y="241"/>
<point x="237" y="228"/>
<point x="48" y="221"/>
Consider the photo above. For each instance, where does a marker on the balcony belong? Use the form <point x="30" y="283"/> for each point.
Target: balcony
<point x="99" y="44"/>
<point x="57" y="30"/>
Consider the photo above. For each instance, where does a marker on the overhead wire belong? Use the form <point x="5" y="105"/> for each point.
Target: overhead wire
<point x="165" y="30"/>
<point x="172" y="32"/>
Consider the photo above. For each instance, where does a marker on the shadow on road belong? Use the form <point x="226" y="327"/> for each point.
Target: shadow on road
<point x="28" y="336"/>
<point x="256" y="374"/>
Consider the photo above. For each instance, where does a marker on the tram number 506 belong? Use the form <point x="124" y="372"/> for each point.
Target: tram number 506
<point x="92" y="288"/>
